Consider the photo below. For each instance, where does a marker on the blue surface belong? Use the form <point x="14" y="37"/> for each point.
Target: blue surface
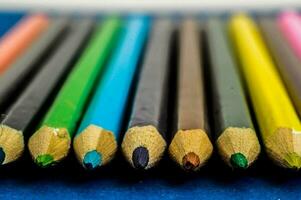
<point x="109" y="101"/>
<point x="117" y="181"/>
<point x="7" y="20"/>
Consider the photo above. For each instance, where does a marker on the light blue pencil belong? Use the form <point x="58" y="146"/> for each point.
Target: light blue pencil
<point x="96" y="140"/>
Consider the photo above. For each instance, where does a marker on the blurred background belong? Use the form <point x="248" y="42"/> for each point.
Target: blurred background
<point x="147" y="5"/>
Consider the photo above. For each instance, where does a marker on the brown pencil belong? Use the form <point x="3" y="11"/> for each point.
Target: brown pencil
<point x="190" y="146"/>
<point x="286" y="60"/>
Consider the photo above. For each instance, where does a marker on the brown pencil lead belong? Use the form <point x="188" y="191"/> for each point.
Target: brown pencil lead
<point x="191" y="161"/>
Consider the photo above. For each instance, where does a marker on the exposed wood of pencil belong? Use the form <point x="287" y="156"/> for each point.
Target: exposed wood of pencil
<point x="278" y="121"/>
<point x="47" y="145"/>
<point x="55" y="139"/>
<point x="235" y="136"/>
<point x="148" y="120"/>
<point x="191" y="146"/>
<point x="288" y="64"/>
<point x="24" y="111"/>
<point x="20" y="73"/>
<point x="90" y="142"/>
<point x="104" y="116"/>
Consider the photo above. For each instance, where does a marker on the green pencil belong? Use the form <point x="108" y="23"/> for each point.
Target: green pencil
<point x="51" y="143"/>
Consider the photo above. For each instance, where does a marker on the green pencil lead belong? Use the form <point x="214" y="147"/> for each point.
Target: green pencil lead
<point x="44" y="160"/>
<point x="92" y="160"/>
<point x="238" y="160"/>
<point x="2" y="156"/>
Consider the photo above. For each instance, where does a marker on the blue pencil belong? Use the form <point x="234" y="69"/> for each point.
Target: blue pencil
<point x="96" y="140"/>
<point x="7" y="20"/>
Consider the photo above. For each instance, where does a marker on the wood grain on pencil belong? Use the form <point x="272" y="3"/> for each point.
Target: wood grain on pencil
<point x="51" y="142"/>
<point x="236" y="139"/>
<point x="278" y="121"/>
<point x="190" y="146"/>
<point x="144" y="142"/>
<point x="95" y="143"/>
<point x="25" y="110"/>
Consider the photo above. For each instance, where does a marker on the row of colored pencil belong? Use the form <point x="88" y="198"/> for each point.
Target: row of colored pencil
<point x="64" y="80"/>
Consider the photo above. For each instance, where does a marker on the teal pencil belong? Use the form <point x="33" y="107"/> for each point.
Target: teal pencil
<point x="96" y="141"/>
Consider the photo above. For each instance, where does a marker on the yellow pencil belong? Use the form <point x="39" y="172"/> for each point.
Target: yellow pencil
<point x="278" y="121"/>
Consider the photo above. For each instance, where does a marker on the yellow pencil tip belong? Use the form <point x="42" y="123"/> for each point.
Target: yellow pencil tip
<point x="293" y="160"/>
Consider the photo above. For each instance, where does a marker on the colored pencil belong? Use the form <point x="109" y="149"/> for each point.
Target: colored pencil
<point x="287" y="62"/>
<point x="144" y="142"/>
<point x="289" y="23"/>
<point x="33" y="98"/>
<point x="8" y="19"/>
<point x="20" y="37"/>
<point x="190" y="146"/>
<point x="14" y="79"/>
<point x="96" y="141"/>
<point x="51" y="143"/>
<point x="236" y="139"/>
<point x="278" y="121"/>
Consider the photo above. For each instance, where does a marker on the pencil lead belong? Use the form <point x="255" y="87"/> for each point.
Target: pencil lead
<point x="191" y="161"/>
<point x="140" y="157"/>
<point x="239" y="161"/>
<point x="2" y="156"/>
<point x="238" y="147"/>
<point x="45" y="160"/>
<point x="293" y="160"/>
<point x="92" y="160"/>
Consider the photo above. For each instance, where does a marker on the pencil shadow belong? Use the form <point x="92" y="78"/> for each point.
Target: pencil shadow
<point x="70" y="173"/>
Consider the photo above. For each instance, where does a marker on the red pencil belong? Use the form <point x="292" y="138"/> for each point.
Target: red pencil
<point x="20" y="37"/>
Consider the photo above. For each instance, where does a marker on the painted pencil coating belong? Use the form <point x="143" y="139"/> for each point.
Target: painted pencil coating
<point x="236" y="139"/>
<point x="51" y="142"/>
<point x="100" y="127"/>
<point x="64" y="114"/>
<point x="287" y="62"/>
<point x="24" y="111"/>
<point x="20" y="37"/>
<point x="278" y="121"/>
<point x="144" y="142"/>
<point x="190" y="146"/>
<point x="289" y="23"/>
<point x="20" y="73"/>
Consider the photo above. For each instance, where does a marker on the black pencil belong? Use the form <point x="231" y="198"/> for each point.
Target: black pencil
<point x="236" y="139"/>
<point x="20" y="73"/>
<point x="190" y="146"/>
<point x="144" y="143"/>
<point x="286" y="60"/>
<point x="28" y="105"/>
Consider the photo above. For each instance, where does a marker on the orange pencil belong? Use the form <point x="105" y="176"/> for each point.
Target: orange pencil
<point x="20" y="37"/>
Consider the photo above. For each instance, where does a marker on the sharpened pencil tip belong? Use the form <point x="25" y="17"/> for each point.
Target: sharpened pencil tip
<point x="2" y="156"/>
<point x="191" y="161"/>
<point x="45" y="160"/>
<point x="293" y="160"/>
<point x="239" y="161"/>
<point x="140" y="158"/>
<point x="92" y="160"/>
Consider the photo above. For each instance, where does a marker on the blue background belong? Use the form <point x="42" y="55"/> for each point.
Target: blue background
<point x="23" y="180"/>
